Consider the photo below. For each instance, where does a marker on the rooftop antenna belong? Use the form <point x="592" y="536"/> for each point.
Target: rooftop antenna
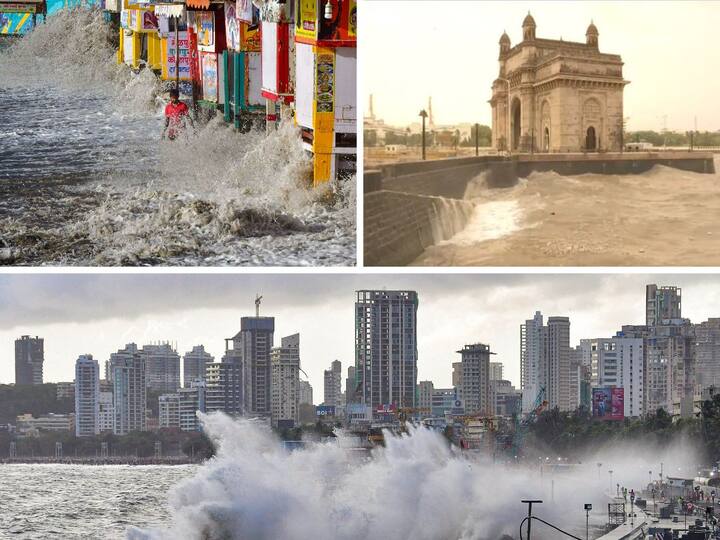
<point x="258" y="299"/>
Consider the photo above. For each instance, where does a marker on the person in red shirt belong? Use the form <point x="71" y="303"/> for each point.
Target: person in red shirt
<point x="176" y="112"/>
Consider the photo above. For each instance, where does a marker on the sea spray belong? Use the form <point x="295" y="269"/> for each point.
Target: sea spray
<point x="418" y="487"/>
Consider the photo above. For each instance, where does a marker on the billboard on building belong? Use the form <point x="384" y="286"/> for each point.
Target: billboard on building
<point x="325" y="410"/>
<point x="608" y="403"/>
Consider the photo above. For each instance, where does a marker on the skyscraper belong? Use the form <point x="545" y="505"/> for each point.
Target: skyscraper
<point x="662" y="304"/>
<point x="707" y="354"/>
<point x="531" y="354"/>
<point x="545" y="362"/>
<point x="29" y="358"/>
<point x="87" y="396"/>
<point x="350" y="385"/>
<point x="386" y="347"/>
<point x="426" y="390"/>
<point x="305" y="393"/>
<point x="333" y="384"/>
<point x="192" y="399"/>
<point x="162" y="365"/>
<point x="475" y="379"/>
<point x="496" y="371"/>
<point x="129" y="389"/>
<point x="251" y="349"/>
<point x="224" y="386"/>
<point x="194" y="363"/>
<point x="285" y="361"/>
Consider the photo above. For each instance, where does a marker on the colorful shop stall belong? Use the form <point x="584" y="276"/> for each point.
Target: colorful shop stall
<point x="325" y="94"/>
<point x="20" y="16"/>
<point x="278" y="58"/>
<point x="176" y="47"/>
<point x="206" y="25"/>
<point x="139" y="38"/>
<point x="241" y="64"/>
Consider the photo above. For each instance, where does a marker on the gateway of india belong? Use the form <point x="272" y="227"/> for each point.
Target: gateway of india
<point x="557" y="96"/>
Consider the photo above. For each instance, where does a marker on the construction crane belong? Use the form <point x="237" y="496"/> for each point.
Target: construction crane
<point x="522" y="426"/>
<point x="258" y="299"/>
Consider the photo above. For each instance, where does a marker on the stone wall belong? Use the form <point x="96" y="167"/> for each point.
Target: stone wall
<point x="399" y="226"/>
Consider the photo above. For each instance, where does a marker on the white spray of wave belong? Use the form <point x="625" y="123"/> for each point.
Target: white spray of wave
<point x="417" y="487"/>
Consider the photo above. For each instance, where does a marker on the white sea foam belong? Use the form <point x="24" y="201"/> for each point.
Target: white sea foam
<point x="417" y="487"/>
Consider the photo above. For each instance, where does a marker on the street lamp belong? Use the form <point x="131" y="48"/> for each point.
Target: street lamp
<point x="423" y="114"/>
<point x="588" y="507"/>
<point x="682" y="504"/>
<point x="530" y="502"/>
<point x="611" y="482"/>
<point x="632" y="512"/>
<point x="599" y="465"/>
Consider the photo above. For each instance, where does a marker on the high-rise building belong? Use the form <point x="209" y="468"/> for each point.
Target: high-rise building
<point x="496" y="371"/>
<point x="443" y="400"/>
<point x="194" y="363"/>
<point x="29" y="358"/>
<point x="251" y="348"/>
<point x="87" y="396"/>
<point x="192" y="400"/>
<point x="386" y="347"/>
<point x="169" y="411"/>
<point x="545" y="362"/>
<point x="506" y="398"/>
<point x="305" y="392"/>
<point x="619" y="362"/>
<point x="162" y="365"/>
<point x="285" y="361"/>
<point x="531" y="354"/>
<point x="106" y="410"/>
<point x="127" y="367"/>
<point x="475" y="379"/>
<point x="425" y="396"/>
<point x="707" y="355"/>
<point x="662" y="304"/>
<point x="333" y="384"/>
<point x="224" y="386"/>
<point x="351" y="385"/>
<point x="556" y="364"/>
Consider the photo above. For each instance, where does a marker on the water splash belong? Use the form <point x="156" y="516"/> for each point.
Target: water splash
<point x="417" y="487"/>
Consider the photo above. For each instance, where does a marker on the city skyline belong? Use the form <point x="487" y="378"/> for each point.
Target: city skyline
<point x="460" y="83"/>
<point x="454" y="310"/>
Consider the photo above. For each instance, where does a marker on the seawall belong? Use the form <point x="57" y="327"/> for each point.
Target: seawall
<point x="400" y="226"/>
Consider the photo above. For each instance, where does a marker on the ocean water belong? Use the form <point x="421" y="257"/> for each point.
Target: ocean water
<point x="74" y="502"/>
<point x="254" y="489"/>
<point x="86" y="180"/>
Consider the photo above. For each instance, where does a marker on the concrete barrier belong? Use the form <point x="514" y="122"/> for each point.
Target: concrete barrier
<point x="400" y="226"/>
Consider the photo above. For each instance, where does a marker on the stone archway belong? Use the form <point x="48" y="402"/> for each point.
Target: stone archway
<point x="515" y="115"/>
<point x="545" y="126"/>
<point x="590" y="139"/>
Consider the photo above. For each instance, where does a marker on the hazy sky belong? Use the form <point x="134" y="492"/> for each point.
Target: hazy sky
<point x="97" y="314"/>
<point x="449" y="50"/>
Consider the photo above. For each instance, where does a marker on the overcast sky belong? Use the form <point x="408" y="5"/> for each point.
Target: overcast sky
<point x="449" y="50"/>
<point x="97" y="314"/>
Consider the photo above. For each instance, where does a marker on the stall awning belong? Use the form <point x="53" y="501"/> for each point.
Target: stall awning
<point x="198" y="4"/>
<point x="170" y="10"/>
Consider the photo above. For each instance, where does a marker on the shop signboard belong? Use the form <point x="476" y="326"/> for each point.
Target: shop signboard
<point x="306" y="19"/>
<point x="183" y="60"/>
<point x="325" y="82"/>
<point x="209" y="69"/>
<point x="232" y="27"/>
<point x="205" y="29"/>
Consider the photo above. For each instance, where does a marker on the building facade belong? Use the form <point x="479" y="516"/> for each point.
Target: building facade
<point x="332" y="379"/>
<point x="162" y="364"/>
<point x="662" y="304"/>
<point x="87" y="396"/>
<point x="425" y="396"/>
<point x="194" y="363"/>
<point x="285" y="384"/>
<point x="557" y="96"/>
<point x="29" y="359"/>
<point x="224" y="387"/>
<point x="475" y="380"/>
<point x="305" y="392"/>
<point x="191" y="400"/>
<point x="169" y="411"/>
<point x="386" y="347"/>
<point x="129" y="389"/>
